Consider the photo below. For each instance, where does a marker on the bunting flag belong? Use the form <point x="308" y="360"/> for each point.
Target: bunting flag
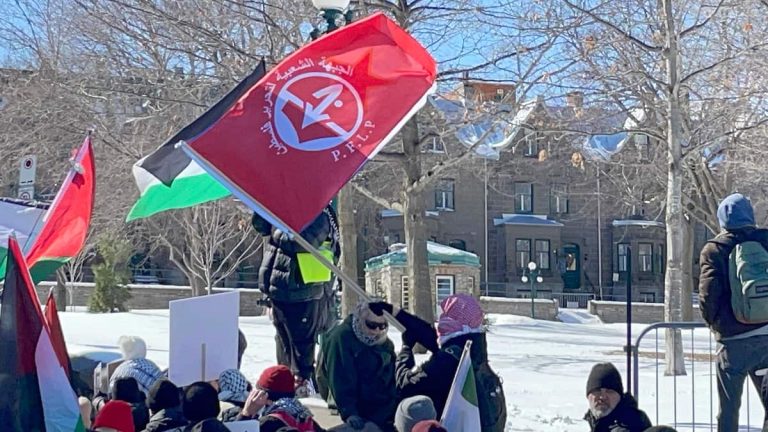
<point x="168" y="178"/>
<point x="22" y="218"/>
<point x="36" y="394"/>
<point x="57" y="335"/>
<point x="65" y="224"/>
<point x="292" y="140"/>
<point x="462" y="411"/>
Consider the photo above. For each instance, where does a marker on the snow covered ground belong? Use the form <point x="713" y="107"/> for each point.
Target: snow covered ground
<point x="544" y="364"/>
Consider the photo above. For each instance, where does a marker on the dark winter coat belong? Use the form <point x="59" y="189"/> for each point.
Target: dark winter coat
<point x="167" y="420"/>
<point x="626" y="417"/>
<point x="140" y="415"/>
<point x="714" y="282"/>
<point x="358" y="379"/>
<point x="279" y="273"/>
<point x="230" y="411"/>
<point x="433" y="378"/>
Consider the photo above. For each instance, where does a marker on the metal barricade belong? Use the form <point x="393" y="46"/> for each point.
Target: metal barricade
<point x="700" y="362"/>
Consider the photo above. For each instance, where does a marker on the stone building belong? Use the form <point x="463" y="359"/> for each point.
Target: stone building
<point x="451" y="271"/>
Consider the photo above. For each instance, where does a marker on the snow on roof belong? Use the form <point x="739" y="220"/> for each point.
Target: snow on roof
<point x="637" y="222"/>
<point x="438" y="254"/>
<point x="396" y="213"/>
<point x="524" y="219"/>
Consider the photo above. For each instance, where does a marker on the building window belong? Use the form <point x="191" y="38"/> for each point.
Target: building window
<point x="642" y="142"/>
<point x="645" y="257"/>
<point x="471" y="283"/>
<point x="435" y="145"/>
<point x="379" y="290"/>
<point x="522" y="253"/>
<point x="622" y="250"/>
<point x="458" y="244"/>
<point x="444" y="287"/>
<point x="558" y="198"/>
<point x="405" y="294"/>
<point x="531" y="144"/>
<point x="542" y="254"/>
<point x="524" y="197"/>
<point x="647" y="297"/>
<point x="444" y="194"/>
<point x="659" y="259"/>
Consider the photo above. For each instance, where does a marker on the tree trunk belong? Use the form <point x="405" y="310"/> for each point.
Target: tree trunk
<point x="60" y="290"/>
<point x="688" y="251"/>
<point x="348" y="260"/>
<point x="415" y="230"/>
<point x="197" y="285"/>
<point x="673" y="282"/>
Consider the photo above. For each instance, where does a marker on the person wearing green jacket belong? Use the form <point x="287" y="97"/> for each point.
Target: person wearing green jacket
<point x="356" y="372"/>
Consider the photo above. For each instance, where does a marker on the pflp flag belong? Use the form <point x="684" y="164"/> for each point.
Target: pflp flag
<point x="295" y="138"/>
<point x="66" y="223"/>
<point x="462" y="411"/>
<point x="35" y="394"/>
<point x="168" y="178"/>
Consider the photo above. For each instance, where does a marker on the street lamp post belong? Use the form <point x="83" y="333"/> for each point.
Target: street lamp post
<point x="332" y="12"/>
<point x="532" y="274"/>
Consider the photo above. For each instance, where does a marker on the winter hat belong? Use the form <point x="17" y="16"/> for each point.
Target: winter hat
<point x="210" y="425"/>
<point x="413" y="410"/>
<point x="163" y="395"/>
<point x="461" y="315"/>
<point x="200" y="402"/>
<point x="604" y="375"/>
<point x="429" y="426"/>
<point x="277" y="380"/>
<point x="116" y="415"/>
<point x="735" y="211"/>
<point x="361" y="314"/>
<point x="132" y="347"/>
<point x="126" y="389"/>
<point x="233" y="386"/>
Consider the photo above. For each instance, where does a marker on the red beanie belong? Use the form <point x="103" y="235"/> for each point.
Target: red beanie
<point x="117" y="415"/>
<point x="278" y="379"/>
<point x="428" y="426"/>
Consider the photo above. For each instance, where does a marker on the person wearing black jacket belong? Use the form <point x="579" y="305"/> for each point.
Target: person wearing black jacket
<point x="127" y="390"/>
<point x="164" y="403"/>
<point x="610" y="409"/>
<point x="743" y="347"/>
<point x="300" y="310"/>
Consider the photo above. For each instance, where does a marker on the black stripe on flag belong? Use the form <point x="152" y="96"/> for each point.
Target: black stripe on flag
<point x="167" y="161"/>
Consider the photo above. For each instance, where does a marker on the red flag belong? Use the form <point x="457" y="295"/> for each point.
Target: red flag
<point x="57" y="335"/>
<point x="297" y="136"/>
<point x="66" y="223"/>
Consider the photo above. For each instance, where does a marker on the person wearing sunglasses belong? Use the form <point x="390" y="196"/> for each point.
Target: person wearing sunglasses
<point x="356" y="372"/>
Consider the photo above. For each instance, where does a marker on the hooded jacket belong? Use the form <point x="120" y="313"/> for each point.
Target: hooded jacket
<point x="279" y="273"/>
<point x="167" y="420"/>
<point x="626" y="417"/>
<point x="715" y="285"/>
<point x="429" y="379"/>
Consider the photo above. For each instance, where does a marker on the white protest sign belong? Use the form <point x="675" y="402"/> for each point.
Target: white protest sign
<point x="243" y="426"/>
<point x="203" y="337"/>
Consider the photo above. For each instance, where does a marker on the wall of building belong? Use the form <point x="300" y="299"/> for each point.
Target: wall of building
<point x="644" y="313"/>
<point x="154" y="296"/>
<point x="544" y="309"/>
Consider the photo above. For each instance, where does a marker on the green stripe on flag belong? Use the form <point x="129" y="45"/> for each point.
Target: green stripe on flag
<point x="184" y="192"/>
<point x="469" y="391"/>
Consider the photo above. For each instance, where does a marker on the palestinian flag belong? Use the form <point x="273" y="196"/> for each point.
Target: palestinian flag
<point x="462" y="411"/>
<point x="36" y="395"/>
<point x="57" y="335"/>
<point x="22" y="218"/>
<point x="66" y="223"/>
<point x="168" y="178"/>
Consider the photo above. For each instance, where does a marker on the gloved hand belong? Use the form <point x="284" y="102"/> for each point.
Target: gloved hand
<point x="379" y="307"/>
<point x="421" y="331"/>
<point x="409" y="339"/>
<point x="356" y="422"/>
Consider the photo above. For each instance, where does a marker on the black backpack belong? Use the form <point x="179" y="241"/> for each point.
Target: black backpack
<point x="490" y="394"/>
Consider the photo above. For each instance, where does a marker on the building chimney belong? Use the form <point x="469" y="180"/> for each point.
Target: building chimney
<point x="575" y="99"/>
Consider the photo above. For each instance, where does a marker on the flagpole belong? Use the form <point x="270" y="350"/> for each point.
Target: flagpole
<point x="253" y="204"/>
<point x="467" y="347"/>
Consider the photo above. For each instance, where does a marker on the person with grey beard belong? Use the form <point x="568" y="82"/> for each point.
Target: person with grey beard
<point x="356" y="372"/>
<point x="610" y="409"/>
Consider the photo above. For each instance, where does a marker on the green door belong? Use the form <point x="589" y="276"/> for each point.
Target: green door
<point x="572" y="273"/>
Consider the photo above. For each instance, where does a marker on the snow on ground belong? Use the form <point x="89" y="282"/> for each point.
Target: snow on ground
<point x="544" y="364"/>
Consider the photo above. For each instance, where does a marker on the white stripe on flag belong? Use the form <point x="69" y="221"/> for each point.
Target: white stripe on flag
<point x="459" y="413"/>
<point x="60" y="407"/>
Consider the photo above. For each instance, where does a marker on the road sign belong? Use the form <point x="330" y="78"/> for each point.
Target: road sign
<point x="27" y="169"/>
<point x="27" y="192"/>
